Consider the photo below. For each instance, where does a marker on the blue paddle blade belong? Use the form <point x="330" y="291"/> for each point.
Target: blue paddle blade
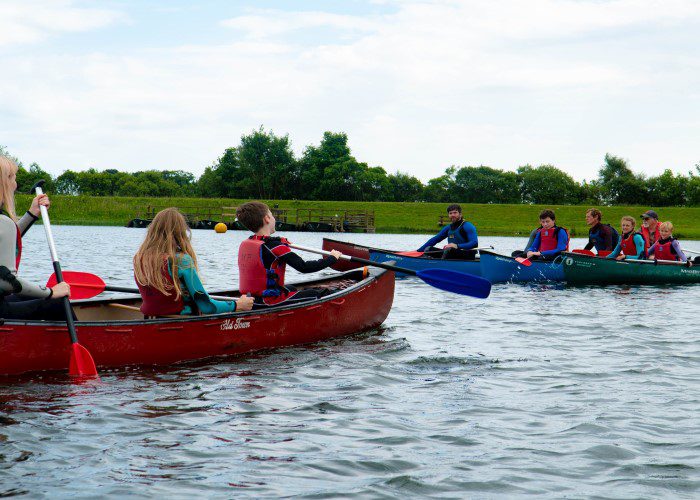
<point x="456" y="282"/>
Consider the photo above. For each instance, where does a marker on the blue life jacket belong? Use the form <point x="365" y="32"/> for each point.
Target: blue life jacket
<point x="599" y="239"/>
<point x="458" y="235"/>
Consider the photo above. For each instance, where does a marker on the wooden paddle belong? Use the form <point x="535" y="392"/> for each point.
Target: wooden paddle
<point x="81" y="363"/>
<point x="87" y="285"/>
<point x="444" y="279"/>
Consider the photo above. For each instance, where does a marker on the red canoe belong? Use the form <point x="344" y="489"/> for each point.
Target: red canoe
<point x="116" y="334"/>
<point x="348" y="248"/>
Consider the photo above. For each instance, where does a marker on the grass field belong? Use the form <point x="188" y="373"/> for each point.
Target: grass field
<point x="501" y="220"/>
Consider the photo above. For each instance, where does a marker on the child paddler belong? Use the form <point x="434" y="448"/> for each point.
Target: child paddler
<point x="165" y="269"/>
<point x="461" y="237"/>
<point x="631" y="244"/>
<point x="550" y="240"/>
<point x="19" y="298"/>
<point x="667" y="247"/>
<point x="263" y="259"/>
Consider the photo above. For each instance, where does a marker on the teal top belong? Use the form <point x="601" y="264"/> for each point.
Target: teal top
<point x="193" y="290"/>
<point x="638" y="244"/>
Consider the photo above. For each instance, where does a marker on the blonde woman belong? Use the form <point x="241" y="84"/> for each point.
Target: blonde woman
<point x="165" y="269"/>
<point x="19" y="298"/>
<point x="631" y="244"/>
<point x="667" y="247"/>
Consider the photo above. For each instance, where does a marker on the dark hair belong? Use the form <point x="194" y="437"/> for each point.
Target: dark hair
<point x="595" y="213"/>
<point x="547" y="213"/>
<point x="252" y="215"/>
<point x="454" y="206"/>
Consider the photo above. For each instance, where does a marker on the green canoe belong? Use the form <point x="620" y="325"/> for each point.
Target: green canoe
<point x="586" y="270"/>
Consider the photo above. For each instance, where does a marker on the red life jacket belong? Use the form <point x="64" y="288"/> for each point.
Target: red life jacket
<point x="627" y="244"/>
<point x="155" y="302"/>
<point x="663" y="251"/>
<point x="549" y="238"/>
<point x="647" y="237"/>
<point x="255" y="278"/>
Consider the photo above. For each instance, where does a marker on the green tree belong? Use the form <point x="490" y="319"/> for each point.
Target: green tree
<point x="547" y="185"/>
<point x="486" y="185"/>
<point x="441" y="189"/>
<point x="266" y="164"/>
<point x="404" y="187"/>
<point x="316" y="160"/>
<point x="619" y="185"/>
<point x="667" y="189"/>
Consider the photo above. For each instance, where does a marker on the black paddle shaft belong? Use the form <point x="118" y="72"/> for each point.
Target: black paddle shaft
<point x="383" y="266"/>
<point x="66" y="305"/>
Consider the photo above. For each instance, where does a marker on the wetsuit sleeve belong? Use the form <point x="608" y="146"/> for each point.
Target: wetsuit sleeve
<point x="188" y="276"/>
<point x="591" y="242"/>
<point x="307" y="266"/>
<point x="8" y="236"/>
<point x="26" y="222"/>
<point x="651" y="250"/>
<point x="677" y="247"/>
<point x="562" y="241"/>
<point x="29" y="289"/>
<point x="472" y="239"/>
<point x="531" y="239"/>
<point x="616" y="251"/>
<point x="608" y="235"/>
<point x="435" y="239"/>
<point x="535" y="244"/>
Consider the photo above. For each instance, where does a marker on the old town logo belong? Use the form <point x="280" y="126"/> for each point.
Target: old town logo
<point x="234" y="325"/>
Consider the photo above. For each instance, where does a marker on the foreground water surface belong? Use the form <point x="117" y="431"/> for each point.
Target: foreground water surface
<point x="547" y="390"/>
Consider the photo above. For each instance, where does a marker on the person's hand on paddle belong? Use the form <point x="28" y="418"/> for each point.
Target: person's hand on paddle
<point x="336" y="254"/>
<point x="620" y="257"/>
<point x="39" y="200"/>
<point x="60" y="290"/>
<point x="533" y="254"/>
<point x="244" y="303"/>
<point x="449" y="245"/>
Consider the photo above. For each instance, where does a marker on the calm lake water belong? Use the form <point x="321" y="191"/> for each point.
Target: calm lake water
<point x="539" y="390"/>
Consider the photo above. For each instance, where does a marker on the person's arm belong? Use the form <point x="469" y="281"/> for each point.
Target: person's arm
<point x="535" y="244"/>
<point x="651" y="250"/>
<point x="562" y="241"/>
<point x="188" y="276"/>
<point x="435" y="239"/>
<point x="591" y="242"/>
<point x="616" y="251"/>
<point x="472" y="238"/>
<point x="27" y="220"/>
<point x="677" y="247"/>
<point x="307" y="266"/>
<point x="531" y="239"/>
<point x="608" y="235"/>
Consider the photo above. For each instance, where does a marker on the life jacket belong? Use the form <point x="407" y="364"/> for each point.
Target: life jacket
<point x="628" y="247"/>
<point x="599" y="240"/>
<point x="155" y="302"/>
<point x="255" y="278"/>
<point x="664" y="251"/>
<point x="646" y="234"/>
<point x="549" y="239"/>
<point x="457" y="235"/>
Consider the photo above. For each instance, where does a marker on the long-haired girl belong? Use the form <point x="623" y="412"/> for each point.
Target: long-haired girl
<point x="166" y="272"/>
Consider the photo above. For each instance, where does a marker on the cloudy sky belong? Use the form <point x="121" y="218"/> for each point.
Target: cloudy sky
<point x="417" y="85"/>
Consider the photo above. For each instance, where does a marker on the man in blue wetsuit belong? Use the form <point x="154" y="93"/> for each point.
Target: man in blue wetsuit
<point x="461" y="237"/>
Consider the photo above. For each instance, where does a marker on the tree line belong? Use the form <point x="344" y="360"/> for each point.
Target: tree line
<point x="263" y="166"/>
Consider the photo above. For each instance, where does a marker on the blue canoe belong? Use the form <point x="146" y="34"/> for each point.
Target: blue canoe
<point x="499" y="268"/>
<point x="472" y="267"/>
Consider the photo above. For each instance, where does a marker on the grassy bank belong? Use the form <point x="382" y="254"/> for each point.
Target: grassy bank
<point x="505" y="220"/>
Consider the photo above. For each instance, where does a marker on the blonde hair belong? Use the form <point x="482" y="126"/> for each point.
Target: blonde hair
<point x="629" y="219"/>
<point x="666" y="225"/>
<point x="7" y="196"/>
<point x="167" y="236"/>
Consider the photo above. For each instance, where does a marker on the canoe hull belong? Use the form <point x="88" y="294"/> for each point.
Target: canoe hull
<point x="40" y="346"/>
<point x="505" y="269"/>
<point x="586" y="270"/>
<point x="472" y="267"/>
<point x="347" y="248"/>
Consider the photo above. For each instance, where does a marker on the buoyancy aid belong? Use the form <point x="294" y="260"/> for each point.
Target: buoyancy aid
<point x="549" y="238"/>
<point x="255" y="278"/>
<point x="664" y="250"/>
<point x="646" y="234"/>
<point x="155" y="302"/>
<point x="627" y="244"/>
<point x="457" y="234"/>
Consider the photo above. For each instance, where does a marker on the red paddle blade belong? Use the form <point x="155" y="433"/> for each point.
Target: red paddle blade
<point x="410" y="254"/>
<point x="81" y="362"/>
<point x="82" y="285"/>
<point x="523" y="261"/>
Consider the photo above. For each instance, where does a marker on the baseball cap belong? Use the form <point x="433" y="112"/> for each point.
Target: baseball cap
<point x="650" y="214"/>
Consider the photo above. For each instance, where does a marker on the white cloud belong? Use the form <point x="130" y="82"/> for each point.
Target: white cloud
<point x="30" y="21"/>
<point x="432" y="84"/>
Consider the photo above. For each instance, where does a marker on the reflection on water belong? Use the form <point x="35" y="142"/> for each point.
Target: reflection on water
<point x="541" y="389"/>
